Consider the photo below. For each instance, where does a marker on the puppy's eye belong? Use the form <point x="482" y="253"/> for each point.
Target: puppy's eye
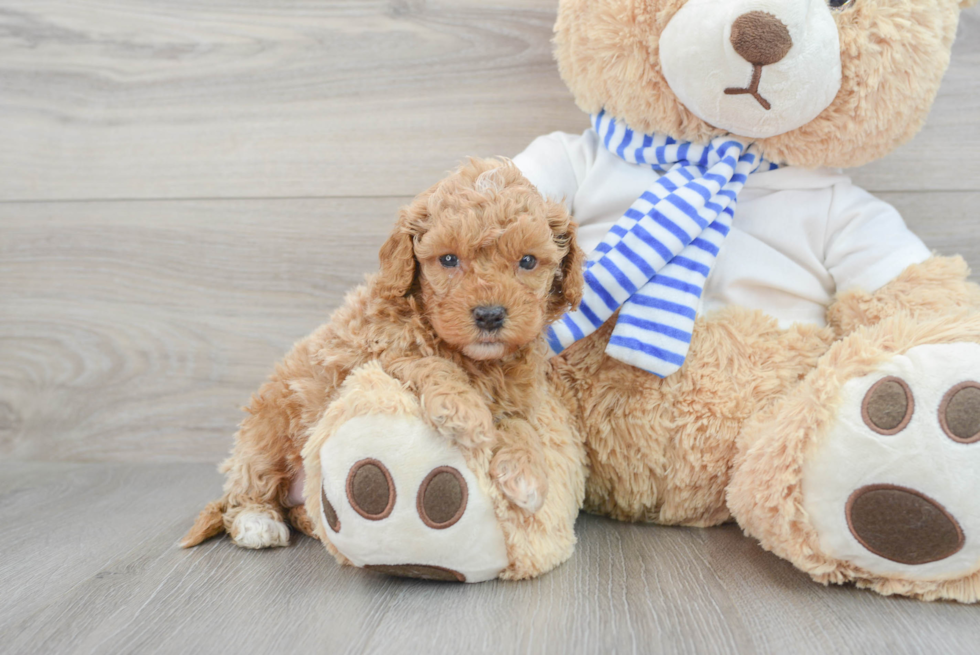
<point x="528" y="262"/>
<point x="449" y="261"/>
<point x="840" y="5"/>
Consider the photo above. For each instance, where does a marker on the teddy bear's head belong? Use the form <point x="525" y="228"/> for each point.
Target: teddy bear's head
<point x="813" y="82"/>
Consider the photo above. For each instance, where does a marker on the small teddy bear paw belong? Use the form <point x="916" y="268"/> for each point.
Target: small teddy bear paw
<point x="397" y="498"/>
<point x="259" y="529"/>
<point x="511" y="471"/>
<point x="893" y="487"/>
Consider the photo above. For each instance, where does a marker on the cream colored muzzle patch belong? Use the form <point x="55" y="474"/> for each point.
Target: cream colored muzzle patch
<point x="756" y="68"/>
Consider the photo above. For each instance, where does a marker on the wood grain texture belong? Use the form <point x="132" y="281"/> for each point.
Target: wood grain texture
<point x="274" y="98"/>
<point x="110" y="579"/>
<point x="137" y="330"/>
<point x="135" y="320"/>
<point x="134" y="331"/>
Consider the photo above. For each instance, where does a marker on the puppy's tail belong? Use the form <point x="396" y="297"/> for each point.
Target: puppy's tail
<point x="210" y="523"/>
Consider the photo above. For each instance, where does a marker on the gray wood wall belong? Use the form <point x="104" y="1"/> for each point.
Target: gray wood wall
<point x="188" y="187"/>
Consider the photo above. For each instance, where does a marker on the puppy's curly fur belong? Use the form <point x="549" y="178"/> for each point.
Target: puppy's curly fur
<point x="415" y="317"/>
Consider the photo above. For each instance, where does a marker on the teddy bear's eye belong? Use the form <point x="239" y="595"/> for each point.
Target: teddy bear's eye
<point x="528" y="262"/>
<point x="840" y="5"/>
<point x="449" y="261"/>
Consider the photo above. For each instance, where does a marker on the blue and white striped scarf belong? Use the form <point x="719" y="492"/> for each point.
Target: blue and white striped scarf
<point x="653" y="263"/>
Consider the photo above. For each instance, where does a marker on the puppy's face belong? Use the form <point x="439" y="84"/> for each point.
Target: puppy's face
<point x="486" y="284"/>
<point x="491" y="261"/>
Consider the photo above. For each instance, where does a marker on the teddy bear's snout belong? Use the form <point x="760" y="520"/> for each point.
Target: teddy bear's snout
<point x="760" y="38"/>
<point x="776" y="64"/>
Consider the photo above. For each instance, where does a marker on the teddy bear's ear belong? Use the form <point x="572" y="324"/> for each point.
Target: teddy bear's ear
<point x="399" y="267"/>
<point x="566" y="292"/>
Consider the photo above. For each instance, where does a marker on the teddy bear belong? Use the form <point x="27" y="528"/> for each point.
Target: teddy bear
<point x="760" y="340"/>
<point x="757" y="339"/>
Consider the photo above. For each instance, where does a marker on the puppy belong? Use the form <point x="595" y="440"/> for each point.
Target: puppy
<point x="473" y="271"/>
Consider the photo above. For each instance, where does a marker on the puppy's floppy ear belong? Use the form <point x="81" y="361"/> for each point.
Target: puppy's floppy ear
<point x="399" y="268"/>
<point x="566" y="291"/>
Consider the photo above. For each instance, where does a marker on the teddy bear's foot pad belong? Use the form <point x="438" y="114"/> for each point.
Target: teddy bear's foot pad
<point x="418" y="571"/>
<point x="895" y="487"/>
<point x="398" y="498"/>
<point x="902" y="525"/>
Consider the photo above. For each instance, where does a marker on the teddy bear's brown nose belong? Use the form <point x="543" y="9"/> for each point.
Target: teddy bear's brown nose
<point x="760" y="38"/>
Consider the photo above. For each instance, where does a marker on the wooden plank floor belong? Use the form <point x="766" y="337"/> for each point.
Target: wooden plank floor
<point x="112" y="581"/>
<point x="187" y="187"/>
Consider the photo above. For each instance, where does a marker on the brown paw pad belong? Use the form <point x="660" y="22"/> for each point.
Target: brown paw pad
<point x="959" y="412"/>
<point x="902" y="525"/>
<point x="329" y="513"/>
<point x="370" y="489"/>
<point x="442" y="497"/>
<point x="418" y="571"/>
<point x="888" y="406"/>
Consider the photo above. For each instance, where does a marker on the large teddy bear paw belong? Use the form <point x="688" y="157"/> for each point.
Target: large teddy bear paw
<point x="895" y="486"/>
<point x="386" y="491"/>
<point x="391" y="494"/>
<point x="398" y="498"/>
<point x="870" y="471"/>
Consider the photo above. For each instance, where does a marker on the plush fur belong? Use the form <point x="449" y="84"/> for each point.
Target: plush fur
<point x="485" y="391"/>
<point x="660" y="449"/>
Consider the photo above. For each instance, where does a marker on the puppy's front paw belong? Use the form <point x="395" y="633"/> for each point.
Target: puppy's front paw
<point x="259" y="529"/>
<point x="511" y="469"/>
<point x="471" y="425"/>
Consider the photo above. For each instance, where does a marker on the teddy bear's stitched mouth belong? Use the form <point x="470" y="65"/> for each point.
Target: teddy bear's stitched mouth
<point x="752" y="89"/>
<point x="760" y="39"/>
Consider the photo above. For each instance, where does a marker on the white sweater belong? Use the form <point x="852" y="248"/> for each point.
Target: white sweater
<point x="799" y="236"/>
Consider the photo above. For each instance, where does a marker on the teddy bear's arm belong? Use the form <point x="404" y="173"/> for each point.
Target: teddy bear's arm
<point x="882" y="268"/>
<point x="935" y="287"/>
<point x="867" y="244"/>
<point x="557" y="163"/>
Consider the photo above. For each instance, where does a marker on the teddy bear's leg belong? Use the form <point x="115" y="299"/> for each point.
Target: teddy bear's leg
<point x="385" y="490"/>
<point x="869" y="471"/>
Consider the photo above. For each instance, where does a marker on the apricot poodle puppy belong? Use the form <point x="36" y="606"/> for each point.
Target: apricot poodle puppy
<point x="473" y="271"/>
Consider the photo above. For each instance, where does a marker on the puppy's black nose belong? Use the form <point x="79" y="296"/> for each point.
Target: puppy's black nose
<point x="489" y="317"/>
